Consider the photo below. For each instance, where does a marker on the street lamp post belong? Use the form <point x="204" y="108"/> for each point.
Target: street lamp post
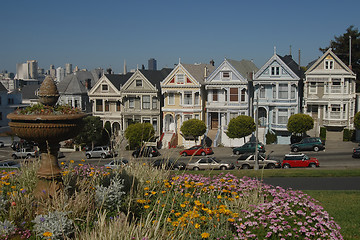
<point x="256" y="166"/>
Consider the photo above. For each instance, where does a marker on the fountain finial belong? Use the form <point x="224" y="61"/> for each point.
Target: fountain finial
<point x="48" y="93"/>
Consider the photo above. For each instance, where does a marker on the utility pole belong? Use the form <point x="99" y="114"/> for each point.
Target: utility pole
<point x="256" y="166"/>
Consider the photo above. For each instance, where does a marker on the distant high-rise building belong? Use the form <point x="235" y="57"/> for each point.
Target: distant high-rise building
<point x="60" y="74"/>
<point x="152" y="64"/>
<point x="28" y="70"/>
<point x="68" y="69"/>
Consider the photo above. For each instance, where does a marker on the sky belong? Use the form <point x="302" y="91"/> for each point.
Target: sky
<point x="91" y="34"/>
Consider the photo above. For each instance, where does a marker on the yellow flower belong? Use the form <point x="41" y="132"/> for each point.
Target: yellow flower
<point x="197" y="203"/>
<point x="197" y="226"/>
<point x="47" y="234"/>
<point x="219" y="197"/>
<point x="231" y="220"/>
<point x="205" y="235"/>
<point x="177" y="214"/>
<point x="153" y="192"/>
<point x="182" y="205"/>
<point x="80" y="164"/>
<point x="168" y="219"/>
<point x="62" y="163"/>
<point x="13" y="187"/>
<point x="82" y="160"/>
<point x="146" y="206"/>
<point x="163" y="192"/>
<point x="146" y="188"/>
<point x="71" y="161"/>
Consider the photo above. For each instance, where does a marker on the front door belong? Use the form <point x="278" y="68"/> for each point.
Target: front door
<point x="214" y="120"/>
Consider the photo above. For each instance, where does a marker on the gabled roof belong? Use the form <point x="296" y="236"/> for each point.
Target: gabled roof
<point x="156" y="76"/>
<point x="338" y="60"/>
<point x="289" y="61"/>
<point x="2" y="88"/>
<point x="244" y="67"/>
<point x="29" y="91"/>
<point x="118" y="80"/>
<point x="197" y="71"/>
<point x="286" y="62"/>
<point x="75" y="82"/>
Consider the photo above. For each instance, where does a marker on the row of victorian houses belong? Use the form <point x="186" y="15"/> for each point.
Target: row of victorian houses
<point x="168" y="97"/>
<point x="279" y="89"/>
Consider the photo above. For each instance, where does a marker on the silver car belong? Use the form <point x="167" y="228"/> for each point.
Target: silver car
<point x="9" y="164"/>
<point x="102" y="151"/>
<point x="247" y="161"/>
<point x="209" y="163"/>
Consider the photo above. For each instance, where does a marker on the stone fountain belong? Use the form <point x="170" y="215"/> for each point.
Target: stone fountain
<point x="48" y="130"/>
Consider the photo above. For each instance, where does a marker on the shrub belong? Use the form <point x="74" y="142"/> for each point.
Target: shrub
<point x="54" y="225"/>
<point x="323" y="133"/>
<point x="110" y="197"/>
<point x="6" y="228"/>
<point x="348" y="135"/>
<point x="270" y="137"/>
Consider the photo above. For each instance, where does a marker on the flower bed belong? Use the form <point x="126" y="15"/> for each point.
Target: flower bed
<point x="40" y="109"/>
<point x="140" y="202"/>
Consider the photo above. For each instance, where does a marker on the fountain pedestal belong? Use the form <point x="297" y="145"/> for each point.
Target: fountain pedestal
<point x="48" y="130"/>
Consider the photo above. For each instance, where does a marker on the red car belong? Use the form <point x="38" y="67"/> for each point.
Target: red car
<point x="299" y="160"/>
<point x="197" y="150"/>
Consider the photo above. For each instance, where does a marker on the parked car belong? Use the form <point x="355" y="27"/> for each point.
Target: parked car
<point x="147" y="151"/>
<point x="209" y="163"/>
<point x="9" y="164"/>
<point x="25" y="153"/>
<point x="263" y="160"/>
<point x="2" y="144"/>
<point x="309" y="143"/>
<point x="101" y="151"/>
<point x="299" y="160"/>
<point x="197" y="150"/>
<point x="117" y="163"/>
<point x="248" y="147"/>
<point x="356" y="153"/>
<point x="16" y="145"/>
<point x="169" y="164"/>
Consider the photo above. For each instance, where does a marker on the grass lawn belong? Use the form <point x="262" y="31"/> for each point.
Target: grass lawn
<point x="343" y="206"/>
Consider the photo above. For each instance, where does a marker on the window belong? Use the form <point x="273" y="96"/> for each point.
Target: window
<point x="283" y="91"/>
<point x="225" y="75"/>
<point x="10" y="101"/>
<point x="274" y="91"/>
<point x="274" y="117"/>
<point x="215" y="95"/>
<point x="275" y="71"/>
<point x="171" y="97"/>
<point x="187" y="117"/>
<point x="146" y="120"/>
<point x="139" y="83"/>
<point x="146" y="102"/>
<point x="329" y="64"/>
<point x="292" y="111"/>
<point x="282" y="116"/>
<point x="99" y="105"/>
<point x="243" y="95"/>
<point x="335" y="85"/>
<point x="131" y="102"/>
<point x="76" y="103"/>
<point x="197" y="116"/>
<point x="118" y="106"/>
<point x="187" y="98"/>
<point x="293" y="91"/>
<point x="104" y="87"/>
<point x="155" y="125"/>
<point x="107" y="106"/>
<point x="154" y="103"/>
<point x="197" y="98"/>
<point x="312" y="87"/>
<point x="262" y="92"/>
<point x="234" y="94"/>
<point x="1" y="116"/>
<point x="180" y="78"/>
<point x="335" y="111"/>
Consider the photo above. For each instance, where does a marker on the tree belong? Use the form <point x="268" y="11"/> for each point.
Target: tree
<point x="138" y="133"/>
<point x="91" y="132"/>
<point x="241" y="126"/>
<point x="193" y="128"/>
<point x="340" y="46"/>
<point x="357" y="120"/>
<point x="300" y="123"/>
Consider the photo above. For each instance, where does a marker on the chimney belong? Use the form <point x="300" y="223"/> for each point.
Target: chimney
<point x="88" y="84"/>
<point x="299" y="59"/>
<point x="109" y="70"/>
<point x="205" y="72"/>
<point x="142" y="67"/>
<point x="350" y="53"/>
<point x="212" y="63"/>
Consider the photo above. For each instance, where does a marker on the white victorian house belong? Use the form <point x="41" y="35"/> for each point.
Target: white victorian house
<point x="227" y="97"/>
<point x="277" y="94"/>
<point x="329" y="95"/>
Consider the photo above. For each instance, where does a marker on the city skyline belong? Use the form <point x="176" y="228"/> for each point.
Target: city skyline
<point x="92" y="34"/>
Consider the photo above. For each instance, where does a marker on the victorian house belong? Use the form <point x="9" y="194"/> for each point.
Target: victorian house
<point x="227" y="97"/>
<point x="329" y="96"/>
<point x="106" y="99"/>
<point x="277" y="95"/>
<point x="184" y="98"/>
<point x="123" y="99"/>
